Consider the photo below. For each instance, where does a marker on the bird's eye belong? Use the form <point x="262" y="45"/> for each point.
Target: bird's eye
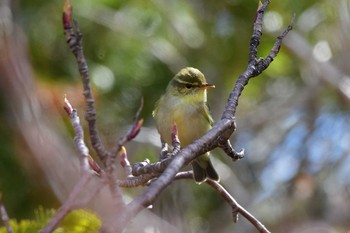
<point x="188" y="86"/>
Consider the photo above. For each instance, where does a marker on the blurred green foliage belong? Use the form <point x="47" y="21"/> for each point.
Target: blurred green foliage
<point x="77" y="221"/>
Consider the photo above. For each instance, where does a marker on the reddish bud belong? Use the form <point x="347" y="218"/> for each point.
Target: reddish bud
<point x="174" y="131"/>
<point x="94" y="166"/>
<point x="260" y="4"/>
<point x="124" y="161"/>
<point x="67" y="106"/>
<point x="174" y="136"/>
<point x="67" y="14"/>
<point x="135" y="130"/>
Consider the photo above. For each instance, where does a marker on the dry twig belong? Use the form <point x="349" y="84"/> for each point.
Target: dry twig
<point x="74" y="40"/>
<point x="168" y="167"/>
<point x="236" y="208"/>
<point x="4" y="217"/>
<point x="222" y="130"/>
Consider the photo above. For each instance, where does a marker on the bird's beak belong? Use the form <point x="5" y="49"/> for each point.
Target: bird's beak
<point x="207" y="86"/>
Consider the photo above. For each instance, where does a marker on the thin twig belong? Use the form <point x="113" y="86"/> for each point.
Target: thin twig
<point x="166" y="157"/>
<point x="79" y="136"/>
<point x="74" y="40"/>
<point x="87" y="169"/>
<point x="69" y="204"/>
<point x="120" y="150"/>
<point x="132" y="132"/>
<point x="228" y="149"/>
<point x="222" y="130"/>
<point x="236" y="208"/>
<point x="4" y="216"/>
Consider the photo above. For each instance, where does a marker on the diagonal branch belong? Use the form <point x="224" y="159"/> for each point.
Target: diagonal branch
<point x="87" y="169"/>
<point x="4" y="216"/>
<point x="69" y="204"/>
<point x="220" y="132"/>
<point x="236" y="208"/>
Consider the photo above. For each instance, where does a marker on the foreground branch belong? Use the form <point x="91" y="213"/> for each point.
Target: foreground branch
<point x="4" y="216"/>
<point x="169" y="166"/>
<point x="87" y="169"/>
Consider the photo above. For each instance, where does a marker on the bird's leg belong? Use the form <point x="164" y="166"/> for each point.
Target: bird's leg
<point x="164" y="152"/>
<point x="175" y="140"/>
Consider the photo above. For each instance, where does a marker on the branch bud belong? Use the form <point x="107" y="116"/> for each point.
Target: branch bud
<point x="135" y="130"/>
<point x="67" y="14"/>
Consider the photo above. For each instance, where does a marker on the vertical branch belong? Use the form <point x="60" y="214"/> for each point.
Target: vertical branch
<point x="255" y="66"/>
<point x="79" y="137"/>
<point x="257" y="32"/>
<point x="242" y="81"/>
<point x="74" y="39"/>
<point x="87" y="166"/>
<point x="4" y="217"/>
<point x="222" y="130"/>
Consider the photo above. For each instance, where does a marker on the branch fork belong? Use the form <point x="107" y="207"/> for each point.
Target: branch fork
<point x="160" y="174"/>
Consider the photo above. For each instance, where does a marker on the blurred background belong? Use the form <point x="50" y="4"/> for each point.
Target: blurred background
<point x="293" y="120"/>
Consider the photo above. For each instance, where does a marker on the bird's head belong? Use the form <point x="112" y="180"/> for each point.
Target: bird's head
<point x="189" y="82"/>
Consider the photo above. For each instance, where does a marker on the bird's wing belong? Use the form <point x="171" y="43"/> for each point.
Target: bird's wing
<point x="206" y="113"/>
<point x="156" y="109"/>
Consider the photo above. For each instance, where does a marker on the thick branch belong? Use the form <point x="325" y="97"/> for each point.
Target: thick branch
<point x="222" y="130"/>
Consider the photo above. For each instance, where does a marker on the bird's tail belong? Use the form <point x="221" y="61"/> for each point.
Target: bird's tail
<point x="201" y="172"/>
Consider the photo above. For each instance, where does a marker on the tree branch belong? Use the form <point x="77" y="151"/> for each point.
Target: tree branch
<point x="85" y="168"/>
<point x="4" y="217"/>
<point x="74" y="40"/>
<point x="68" y="205"/>
<point x="217" y="137"/>
<point x="236" y="208"/>
<point x="221" y="131"/>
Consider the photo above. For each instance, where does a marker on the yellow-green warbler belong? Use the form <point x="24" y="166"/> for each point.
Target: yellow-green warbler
<point x="185" y="104"/>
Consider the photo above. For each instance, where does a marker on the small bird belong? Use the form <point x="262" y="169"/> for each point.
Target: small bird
<point x="185" y="104"/>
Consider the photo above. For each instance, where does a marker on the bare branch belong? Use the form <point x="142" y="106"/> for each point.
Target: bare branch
<point x="236" y="208"/>
<point x="219" y="133"/>
<point x="4" y="217"/>
<point x="120" y="150"/>
<point x="166" y="156"/>
<point x="88" y="168"/>
<point x="169" y="167"/>
<point x="132" y="182"/>
<point x="145" y="167"/>
<point x="228" y="149"/>
<point x="74" y="40"/>
<point x="69" y="204"/>
<point x="131" y="134"/>
<point x="79" y="136"/>
<point x="86" y="161"/>
<point x="276" y="47"/>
